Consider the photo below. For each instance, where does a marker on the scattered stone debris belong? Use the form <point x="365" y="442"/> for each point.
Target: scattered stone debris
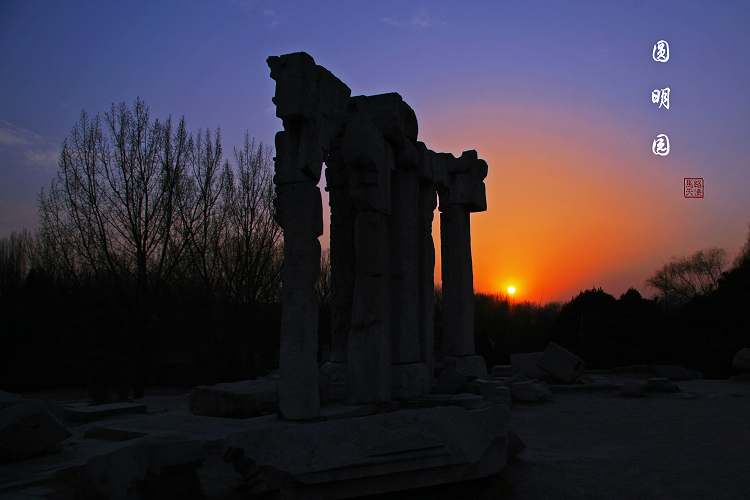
<point x="160" y="465"/>
<point x="245" y="399"/>
<point x="88" y="413"/>
<point x="742" y="358"/>
<point x="492" y="392"/>
<point x="560" y="363"/>
<point x="27" y="428"/>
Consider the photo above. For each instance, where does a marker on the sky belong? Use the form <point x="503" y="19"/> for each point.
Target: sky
<point x="555" y="96"/>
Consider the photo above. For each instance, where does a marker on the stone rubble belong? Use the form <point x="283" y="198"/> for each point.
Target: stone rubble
<point x="27" y="429"/>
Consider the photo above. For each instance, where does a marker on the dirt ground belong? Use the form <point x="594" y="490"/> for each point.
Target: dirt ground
<point x="691" y="444"/>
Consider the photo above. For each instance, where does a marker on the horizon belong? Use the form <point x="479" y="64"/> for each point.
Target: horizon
<point x="557" y="100"/>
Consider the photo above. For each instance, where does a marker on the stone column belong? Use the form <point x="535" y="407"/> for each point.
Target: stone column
<point x="311" y="103"/>
<point x="398" y="124"/>
<point x="463" y="193"/>
<point x="300" y="213"/>
<point x="404" y="255"/>
<point x="458" y="281"/>
<point x="427" y="205"/>
<point x="343" y="214"/>
<point x="369" y="160"/>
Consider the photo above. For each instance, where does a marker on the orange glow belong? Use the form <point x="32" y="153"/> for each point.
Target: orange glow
<point x="581" y="206"/>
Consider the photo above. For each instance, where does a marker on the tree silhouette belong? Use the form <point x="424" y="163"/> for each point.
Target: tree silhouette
<point x="686" y="277"/>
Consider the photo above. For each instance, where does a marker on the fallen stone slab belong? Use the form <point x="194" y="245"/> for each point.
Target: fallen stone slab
<point x="88" y="413"/>
<point x="28" y="429"/>
<point x="492" y="392"/>
<point x="587" y="383"/>
<point x="560" y="363"/>
<point x="160" y="465"/>
<point x="245" y="399"/>
<point x="336" y="411"/>
<point x="205" y="429"/>
<point x="508" y="382"/>
<point x="742" y="358"/>
<point x="530" y="392"/>
<point x="372" y="455"/>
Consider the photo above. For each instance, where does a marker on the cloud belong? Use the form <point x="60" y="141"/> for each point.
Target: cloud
<point x="254" y="6"/>
<point x="23" y="148"/>
<point x="12" y="135"/>
<point x="425" y="19"/>
<point x="422" y="19"/>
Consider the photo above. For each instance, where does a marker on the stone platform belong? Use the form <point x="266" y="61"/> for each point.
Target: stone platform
<point x="372" y="455"/>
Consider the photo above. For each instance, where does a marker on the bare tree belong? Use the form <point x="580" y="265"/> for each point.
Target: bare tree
<point x="743" y="256"/>
<point x="15" y="260"/>
<point x="686" y="277"/>
<point x="206" y="216"/>
<point x="118" y="207"/>
<point x="323" y="285"/>
<point x="121" y="210"/>
<point x="251" y="252"/>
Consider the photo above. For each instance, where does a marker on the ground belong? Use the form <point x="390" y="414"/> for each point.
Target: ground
<point x="690" y="444"/>
<point x="592" y="445"/>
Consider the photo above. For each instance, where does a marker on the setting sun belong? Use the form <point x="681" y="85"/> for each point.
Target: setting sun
<point x="511" y="290"/>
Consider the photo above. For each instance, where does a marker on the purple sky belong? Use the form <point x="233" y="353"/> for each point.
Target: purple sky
<point x="510" y="79"/>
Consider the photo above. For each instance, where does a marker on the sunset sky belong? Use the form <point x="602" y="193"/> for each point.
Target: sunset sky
<point x="555" y="96"/>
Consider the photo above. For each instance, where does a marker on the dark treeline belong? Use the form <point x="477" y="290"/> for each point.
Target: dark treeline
<point x="157" y="261"/>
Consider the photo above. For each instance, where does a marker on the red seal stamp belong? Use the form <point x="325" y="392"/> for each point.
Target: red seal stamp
<point x="694" y="187"/>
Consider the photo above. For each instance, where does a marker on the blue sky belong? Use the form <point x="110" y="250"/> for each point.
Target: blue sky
<point x="555" y="95"/>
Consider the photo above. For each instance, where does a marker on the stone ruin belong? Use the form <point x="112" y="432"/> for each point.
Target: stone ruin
<point x="383" y="187"/>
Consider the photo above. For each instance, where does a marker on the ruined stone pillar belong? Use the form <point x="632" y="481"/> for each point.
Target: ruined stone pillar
<point x="398" y="125"/>
<point x="458" y="281"/>
<point x="311" y="103"/>
<point x="427" y="205"/>
<point x="461" y="193"/>
<point x="404" y="237"/>
<point x="299" y="211"/>
<point x="343" y="214"/>
<point x="369" y="160"/>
